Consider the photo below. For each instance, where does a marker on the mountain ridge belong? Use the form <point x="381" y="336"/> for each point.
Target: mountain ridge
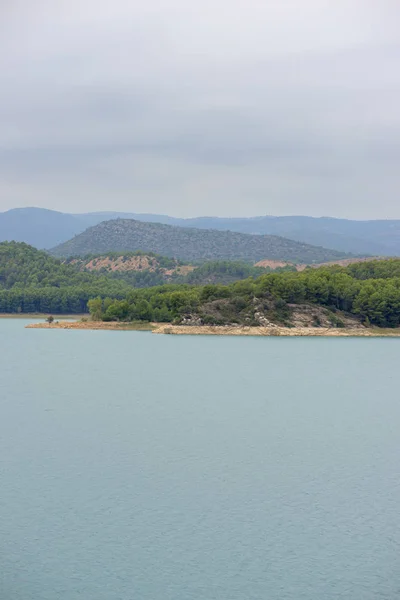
<point x="124" y="235"/>
<point x="44" y="228"/>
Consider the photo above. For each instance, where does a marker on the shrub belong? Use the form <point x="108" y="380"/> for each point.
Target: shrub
<point x="316" y="321"/>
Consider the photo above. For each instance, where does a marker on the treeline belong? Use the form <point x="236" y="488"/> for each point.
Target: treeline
<point x="56" y="300"/>
<point x="226" y="271"/>
<point x="375" y="300"/>
<point x="375" y="269"/>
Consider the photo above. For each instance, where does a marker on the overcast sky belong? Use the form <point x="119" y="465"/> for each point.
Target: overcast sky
<point x="218" y="107"/>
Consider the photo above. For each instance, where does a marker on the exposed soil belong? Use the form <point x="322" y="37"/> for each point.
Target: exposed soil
<point x="181" y="270"/>
<point x="342" y="263"/>
<point x="132" y="263"/>
<point x="275" y="264"/>
<point x="121" y="263"/>
<point x="149" y="263"/>
<point x="272" y="264"/>
<point x="309" y="315"/>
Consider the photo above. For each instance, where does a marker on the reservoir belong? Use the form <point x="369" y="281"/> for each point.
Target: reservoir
<point x="161" y="467"/>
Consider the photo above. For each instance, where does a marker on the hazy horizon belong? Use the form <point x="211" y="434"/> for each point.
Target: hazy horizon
<point x="188" y="109"/>
<point x="203" y="216"/>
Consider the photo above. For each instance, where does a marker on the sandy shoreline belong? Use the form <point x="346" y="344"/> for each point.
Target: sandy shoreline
<point x="166" y="328"/>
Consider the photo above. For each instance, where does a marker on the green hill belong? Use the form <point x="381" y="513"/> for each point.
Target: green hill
<point x="124" y="235"/>
<point x="33" y="281"/>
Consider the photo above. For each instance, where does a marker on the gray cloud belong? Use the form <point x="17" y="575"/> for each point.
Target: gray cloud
<point x="236" y="108"/>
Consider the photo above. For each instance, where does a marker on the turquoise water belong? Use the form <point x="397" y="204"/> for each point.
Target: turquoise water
<point x="138" y="466"/>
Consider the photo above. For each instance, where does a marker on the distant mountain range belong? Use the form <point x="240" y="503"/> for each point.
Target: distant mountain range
<point x="38" y="227"/>
<point x="46" y="228"/>
<point x="189" y="244"/>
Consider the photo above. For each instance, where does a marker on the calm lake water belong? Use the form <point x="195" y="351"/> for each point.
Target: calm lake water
<point x="139" y="466"/>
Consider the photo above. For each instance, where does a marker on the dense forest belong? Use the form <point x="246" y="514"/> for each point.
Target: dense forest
<point x="33" y="281"/>
<point x="190" y="244"/>
<point x="370" y="291"/>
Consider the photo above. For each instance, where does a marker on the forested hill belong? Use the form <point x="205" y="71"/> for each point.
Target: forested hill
<point x="124" y="235"/>
<point x="33" y="281"/>
<point x="23" y="266"/>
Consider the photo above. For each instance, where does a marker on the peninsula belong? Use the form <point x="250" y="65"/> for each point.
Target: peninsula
<point x="237" y="330"/>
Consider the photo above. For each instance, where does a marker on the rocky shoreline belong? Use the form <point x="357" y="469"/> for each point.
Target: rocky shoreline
<point x="273" y="331"/>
